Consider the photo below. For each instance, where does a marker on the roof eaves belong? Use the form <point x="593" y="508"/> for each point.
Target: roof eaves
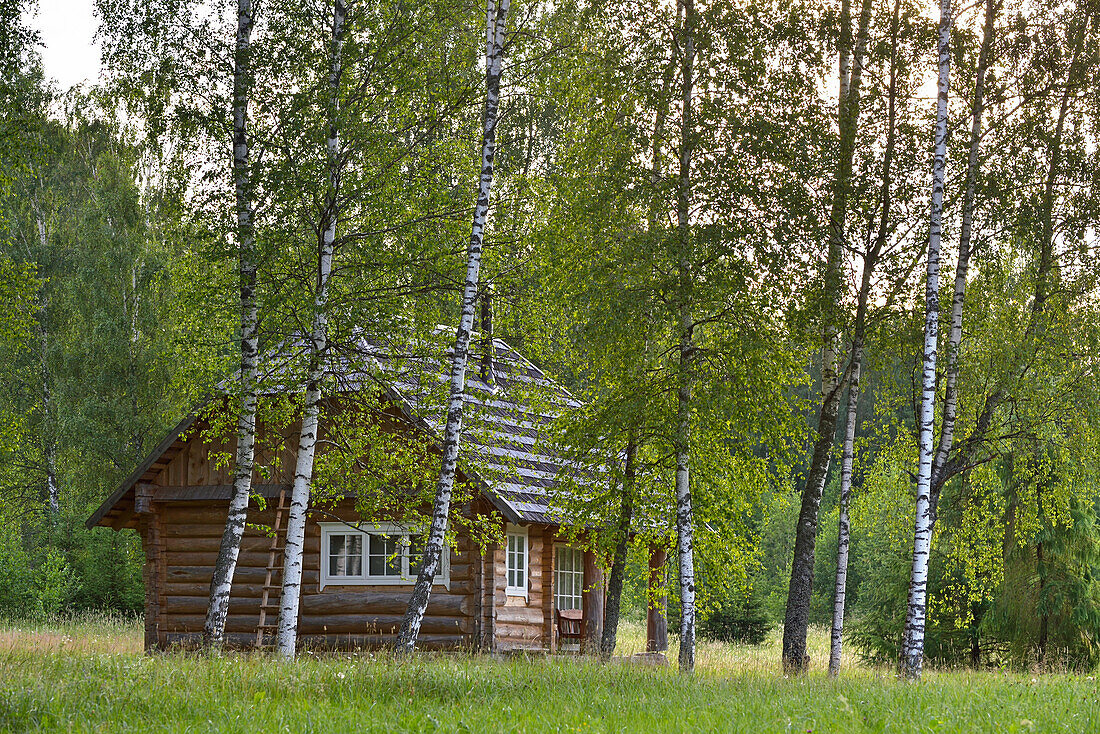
<point x="128" y="483"/>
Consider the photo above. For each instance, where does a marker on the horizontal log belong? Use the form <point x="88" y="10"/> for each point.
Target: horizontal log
<point x="245" y="599"/>
<point x="247" y="559"/>
<point x="520" y="615"/>
<point x="322" y="642"/>
<point x="517" y="632"/>
<point x="243" y="575"/>
<point x="192" y="544"/>
<point x="460" y="587"/>
<point x="194" y="622"/>
<point x="374" y="642"/>
<point x="242" y="604"/>
<point x="439" y="603"/>
<point x="201" y="590"/>
<point x="191" y="529"/>
<point x="365" y="624"/>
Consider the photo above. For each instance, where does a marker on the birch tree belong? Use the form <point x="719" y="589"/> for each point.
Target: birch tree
<point x="286" y="638"/>
<point x="682" y="442"/>
<point x="946" y="443"/>
<point x="435" y="544"/>
<point x="796" y="619"/>
<point x="918" y="585"/>
<point x="222" y="582"/>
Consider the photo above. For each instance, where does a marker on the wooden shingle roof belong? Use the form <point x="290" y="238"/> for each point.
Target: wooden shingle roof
<point x="506" y="441"/>
<point x="506" y="446"/>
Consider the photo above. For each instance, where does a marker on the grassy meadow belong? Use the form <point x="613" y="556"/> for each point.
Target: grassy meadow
<point x="90" y="675"/>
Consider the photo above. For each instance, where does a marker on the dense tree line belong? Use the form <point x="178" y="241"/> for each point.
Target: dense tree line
<point x="721" y="225"/>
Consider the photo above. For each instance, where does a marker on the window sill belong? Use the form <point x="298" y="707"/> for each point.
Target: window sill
<point x="345" y="581"/>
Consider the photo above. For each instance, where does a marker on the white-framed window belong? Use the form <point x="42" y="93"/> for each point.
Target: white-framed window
<point x="516" y="560"/>
<point x="373" y="554"/>
<point x="568" y="577"/>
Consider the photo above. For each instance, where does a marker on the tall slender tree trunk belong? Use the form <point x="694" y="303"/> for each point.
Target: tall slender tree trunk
<point x="434" y="547"/>
<point x="1041" y="572"/>
<point x="922" y="535"/>
<point x="684" y="520"/>
<point x="287" y="634"/>
<point x="843" y="530"/>
<point x="49" y="447"/>
<point x="222" y="582"/>
<point x="870" y="260"/>
<point x="622" y="546"/>
<point x="958" y="299"/>
<point x="796" y="619"/>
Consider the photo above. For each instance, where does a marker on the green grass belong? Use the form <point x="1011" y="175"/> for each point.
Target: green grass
<point x="90" y="675"/>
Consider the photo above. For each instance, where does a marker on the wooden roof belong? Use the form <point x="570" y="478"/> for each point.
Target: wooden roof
<point x="506" y="448"/>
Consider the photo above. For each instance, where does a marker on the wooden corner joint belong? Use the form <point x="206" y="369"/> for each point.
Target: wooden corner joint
<point x="143" y="498"/>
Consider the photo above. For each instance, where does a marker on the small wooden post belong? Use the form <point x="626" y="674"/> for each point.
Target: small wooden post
<point x="592" y="598"/>
<point x="656" y="618"/>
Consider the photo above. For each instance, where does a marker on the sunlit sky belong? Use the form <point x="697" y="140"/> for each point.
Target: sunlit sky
<point x="66" y="28"/>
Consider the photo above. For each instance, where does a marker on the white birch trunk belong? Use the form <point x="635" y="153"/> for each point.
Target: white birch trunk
<point x="293" y="552"/>
<point x="222" y="582"/>
<point x="843" y="530"/>
<point x="870" y="261"/>
<point x="496" y="17"/>
<point x="958" y="300"/>
<point x="49" y="449"/>
<point x="922" y="534"/>
<point x="684" y="519"/>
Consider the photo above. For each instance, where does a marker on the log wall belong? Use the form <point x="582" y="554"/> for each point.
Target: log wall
<point x="524" y="623"/>
<point x="188" y="534"/>
<point x="182" y="535"/>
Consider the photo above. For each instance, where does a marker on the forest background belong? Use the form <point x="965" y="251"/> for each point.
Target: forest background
<point x="783" y="210"/>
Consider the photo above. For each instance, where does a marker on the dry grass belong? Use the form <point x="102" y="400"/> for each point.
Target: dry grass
<point x="727" y="658"/>
<point x="86" y="634"/>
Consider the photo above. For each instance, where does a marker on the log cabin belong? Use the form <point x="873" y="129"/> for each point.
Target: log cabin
<point x="359" y="571"/>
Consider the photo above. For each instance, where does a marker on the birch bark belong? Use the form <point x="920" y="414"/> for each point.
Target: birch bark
<point x="287" y="634"/>
<point x="496" y="16"/>
<point x="958" y="299"/>
<point x="684" y="519"/>
<point x="948" y="464"/>
<point x="49" y="448"/>
<point x="870" y="261"/>
<point x="796" y="620"/>
<point x="843" y="531"/>
<point x="222" y="581"/>
<point x="922" y="534"/>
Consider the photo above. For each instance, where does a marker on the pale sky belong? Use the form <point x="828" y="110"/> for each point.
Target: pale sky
<point x="66" y="28"/>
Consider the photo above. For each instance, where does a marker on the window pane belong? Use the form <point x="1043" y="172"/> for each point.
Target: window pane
<point x="355" y="566"/>
<point x="377" y="545"/>
<point x="416" y="554"/>
<point x="383" y="558"/>
<point x="376" y="565"/>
